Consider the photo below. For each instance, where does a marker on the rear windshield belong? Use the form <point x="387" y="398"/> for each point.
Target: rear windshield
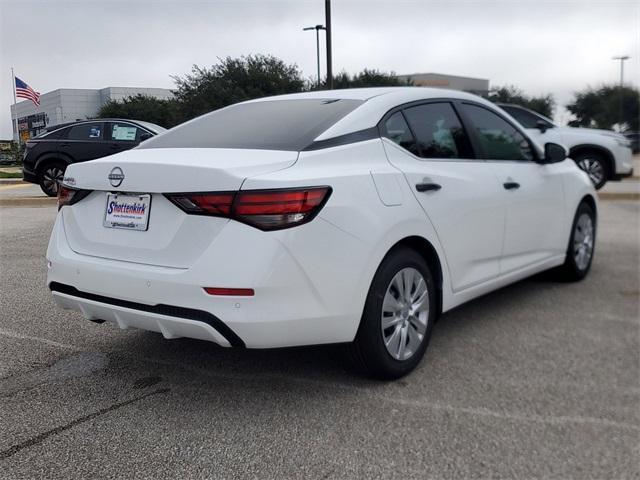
<point x="270" y="125"/>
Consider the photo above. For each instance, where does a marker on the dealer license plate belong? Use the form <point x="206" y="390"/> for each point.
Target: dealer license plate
<point x="130" y="212"/>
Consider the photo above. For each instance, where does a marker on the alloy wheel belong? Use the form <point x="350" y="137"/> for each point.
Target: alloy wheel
<point x="405" y="313"/>
<point x="594" y="169"/>
<point x="583" y="241"/>
<point x="51" y="177"/>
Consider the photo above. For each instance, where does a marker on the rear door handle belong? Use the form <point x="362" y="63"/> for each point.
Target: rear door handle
<point x="427" y="187"/>
<point x="511" y="185"/>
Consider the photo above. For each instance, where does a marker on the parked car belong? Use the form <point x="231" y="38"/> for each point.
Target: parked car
<point x="47" y="156"/>
<point x="603" y="154"/>
<point x="353" y="216"/>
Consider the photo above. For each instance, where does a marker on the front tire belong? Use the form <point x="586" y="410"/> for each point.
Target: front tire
<point x="595" y="165"/>
<point x="399" y="314"/>
<point x="50" y="175"/>
<point x="581" y="245"/>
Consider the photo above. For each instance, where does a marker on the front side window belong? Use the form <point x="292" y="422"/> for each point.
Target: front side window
<point x="438" y="131"/>
<point x="498" y="139"/>
<point x="85" y="131"/>
<point x="123" y="132"/>
<point x="397" y="130"/>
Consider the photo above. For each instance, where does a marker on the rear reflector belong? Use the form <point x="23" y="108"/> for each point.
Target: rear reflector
<point x="236" y="292"/>
<point x="263" y="209"/>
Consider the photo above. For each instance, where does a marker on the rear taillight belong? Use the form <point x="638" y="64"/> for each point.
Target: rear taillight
<point x="69" y="196"/>
<point x="263" y="209"/>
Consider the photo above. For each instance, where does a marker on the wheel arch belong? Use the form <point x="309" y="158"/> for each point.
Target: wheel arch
<point x="589" y="200"/>
<point x="49" y="157"/>
<point x="426" y="250"/>
<point x="598" y="149"/>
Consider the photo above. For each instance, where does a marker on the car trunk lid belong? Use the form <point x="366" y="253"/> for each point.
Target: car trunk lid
<point x="172" y="238"/>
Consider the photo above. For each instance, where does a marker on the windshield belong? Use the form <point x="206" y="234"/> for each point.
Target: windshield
<point x="269" y="125"/>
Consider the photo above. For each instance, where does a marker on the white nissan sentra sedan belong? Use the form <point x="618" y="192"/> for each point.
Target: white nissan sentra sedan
<point x="350" y="216"/>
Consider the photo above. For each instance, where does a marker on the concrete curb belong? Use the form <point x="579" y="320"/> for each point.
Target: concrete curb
<point x="27" y="201"/>
<point x="619" y="196"/>
<point x="11" y="181"/>
<point x="50" y="201"/>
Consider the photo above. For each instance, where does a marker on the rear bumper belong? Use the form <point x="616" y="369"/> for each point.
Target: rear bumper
<point x="290" y="307"/>
<point x="29" y="176"/>
<point x="170" y="327"/>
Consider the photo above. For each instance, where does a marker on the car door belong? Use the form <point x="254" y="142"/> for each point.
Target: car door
<point x="122" y="136"/>
<point x="459" y="194"/>
<point x="84" y="141"/>
<point x="532" y="193"/>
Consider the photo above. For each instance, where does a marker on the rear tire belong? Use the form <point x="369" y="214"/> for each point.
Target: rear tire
<point x="581" y="246"/>
<point x="50" y="175"/>
<point x="399" y="314"/>
<point x="596" y="166"/>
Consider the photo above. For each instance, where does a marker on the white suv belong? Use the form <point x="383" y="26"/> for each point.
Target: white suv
<point x="603" y="154"/>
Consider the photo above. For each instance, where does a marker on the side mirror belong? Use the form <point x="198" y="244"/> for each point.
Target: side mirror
<point x="145" y="136"/>
<point x="554" y="153"/>
<point x="542" y="126"/>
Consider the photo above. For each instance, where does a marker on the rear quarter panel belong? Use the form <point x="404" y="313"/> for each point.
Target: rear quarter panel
<point x="359" y="229"/>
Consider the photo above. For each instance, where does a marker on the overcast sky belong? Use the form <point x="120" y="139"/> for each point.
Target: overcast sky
<point x="540" y="46"/>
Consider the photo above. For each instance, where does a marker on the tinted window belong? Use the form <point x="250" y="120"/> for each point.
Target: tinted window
<point x="397" y="130"/>
<point x="439" y="131"/>
<point x="123" y="132"/>
<point x="270" y="125"/>
<point x="85" y="131"/>
<point x="525" y="118"/>
<point x="498" y="139"/>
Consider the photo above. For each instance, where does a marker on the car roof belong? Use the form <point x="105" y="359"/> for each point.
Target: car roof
<point x="377" y="101"/>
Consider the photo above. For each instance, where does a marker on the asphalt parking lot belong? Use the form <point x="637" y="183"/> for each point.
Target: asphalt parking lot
<point x="540" y="379"/>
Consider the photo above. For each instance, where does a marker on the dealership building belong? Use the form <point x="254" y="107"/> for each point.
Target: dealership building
<point x="70" y="104"/>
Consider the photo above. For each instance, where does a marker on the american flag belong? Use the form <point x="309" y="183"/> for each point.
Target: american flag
<point x="25" y="91"/>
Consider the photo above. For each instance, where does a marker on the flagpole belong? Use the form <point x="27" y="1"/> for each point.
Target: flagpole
<point x="15" y="103"/>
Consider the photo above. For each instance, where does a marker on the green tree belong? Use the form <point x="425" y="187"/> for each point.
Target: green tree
<point x="142" y="107"/>
<point x="544" y="104"/>
<point x="234" y="80"/>
<point x="600" y="108"/>
<point x="369" y="78"/>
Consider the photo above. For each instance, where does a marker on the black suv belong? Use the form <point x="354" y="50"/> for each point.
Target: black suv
<point x="46" y="156"/>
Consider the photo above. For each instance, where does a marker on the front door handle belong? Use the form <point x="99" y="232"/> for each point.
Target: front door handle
<point x="511" y="185"/>
<point x="427" y="187"/>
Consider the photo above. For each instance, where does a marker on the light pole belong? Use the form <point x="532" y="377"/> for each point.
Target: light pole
<point x="317" y="28"/>
<point x="622" y="58"/>
<point x="327" y="22"/>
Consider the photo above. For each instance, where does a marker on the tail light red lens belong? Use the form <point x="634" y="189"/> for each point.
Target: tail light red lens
<point x="69" y="196"/>
<point x="263" y="209"/>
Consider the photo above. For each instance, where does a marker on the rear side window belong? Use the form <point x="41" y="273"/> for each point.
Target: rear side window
<point x="397" y="130"/>
<point x="269" y="125"/>
<point x="438" y="131"/>
<point x="499" y="140"/>
<point x="525" y="118"/>
<point x="85" y="131"/>
<point x="123" y="132"/>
